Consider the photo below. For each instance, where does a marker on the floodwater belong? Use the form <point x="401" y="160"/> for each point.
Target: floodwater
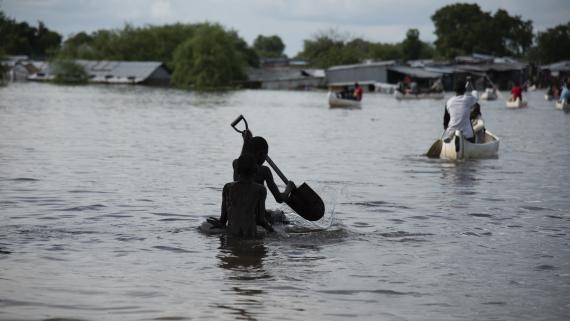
<point x="102" y="189"/>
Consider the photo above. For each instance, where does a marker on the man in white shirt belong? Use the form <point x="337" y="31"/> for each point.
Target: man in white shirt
<point x="457" y="112"/>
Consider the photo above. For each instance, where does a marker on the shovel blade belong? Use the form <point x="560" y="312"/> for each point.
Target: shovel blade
<point x="305" y="202"/>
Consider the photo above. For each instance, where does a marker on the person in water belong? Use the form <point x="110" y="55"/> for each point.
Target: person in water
<point x="457" y="113"/>
<point x="516" y="92"/>
<point x="243" y="202"/>
<point x="258" y="148"/>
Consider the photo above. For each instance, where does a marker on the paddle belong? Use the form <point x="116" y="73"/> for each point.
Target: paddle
<point x="435" y="150"/>
<point x="303" y="199"/>
<point x="499" y="95"/>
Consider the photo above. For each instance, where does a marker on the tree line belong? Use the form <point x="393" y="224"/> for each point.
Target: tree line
<point x="208" y="55"/>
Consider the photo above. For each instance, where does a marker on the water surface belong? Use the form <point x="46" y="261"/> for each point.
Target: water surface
<point x="102" y="189"/>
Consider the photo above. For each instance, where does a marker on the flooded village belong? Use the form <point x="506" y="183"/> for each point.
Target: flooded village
<point x="284" y="160"/>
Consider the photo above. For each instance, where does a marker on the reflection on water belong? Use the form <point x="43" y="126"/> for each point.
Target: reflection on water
<point x="102" y="188"/>
<point x="241" y="255"/>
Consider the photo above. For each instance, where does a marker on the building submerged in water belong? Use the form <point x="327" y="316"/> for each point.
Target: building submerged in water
<point x="116" y="72"/>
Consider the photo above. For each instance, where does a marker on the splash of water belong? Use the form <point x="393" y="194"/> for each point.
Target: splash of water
<point x="331" y="196"/>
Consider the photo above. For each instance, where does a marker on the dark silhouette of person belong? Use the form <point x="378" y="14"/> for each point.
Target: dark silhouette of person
<point x="243" y="202"/>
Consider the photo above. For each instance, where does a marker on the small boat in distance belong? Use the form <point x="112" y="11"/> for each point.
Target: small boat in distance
<point x="489" y="94"/>
<point x="516" y="103"/>
<point x="458" y="148"/>
<point x="337" y="102"/>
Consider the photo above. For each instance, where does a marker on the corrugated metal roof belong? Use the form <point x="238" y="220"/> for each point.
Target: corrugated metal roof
<point x="366" y="65"/>
<point x="135" y="70"/>
<point x="558" y="66"/>
<point x="415" y="72"/>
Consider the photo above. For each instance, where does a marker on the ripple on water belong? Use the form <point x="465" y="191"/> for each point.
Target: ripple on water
<point x="378" y="291"/>
<point x="480" y="215"/>
<point x="172" y="249"/>
<point x="545" y="267"/>
<point x="94" y="207"/>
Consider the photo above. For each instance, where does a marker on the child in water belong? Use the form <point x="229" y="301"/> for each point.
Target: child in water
<point x="243" y="201"/>
<point x="258" y="148"/>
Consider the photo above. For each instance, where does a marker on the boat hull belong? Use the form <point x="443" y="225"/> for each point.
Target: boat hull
<point x="335" y="102"/>
<point x="488" y="95"/>
<point x="516" y="103"/>
<point x="562" y="106"/>
<point x="459" y="148"/>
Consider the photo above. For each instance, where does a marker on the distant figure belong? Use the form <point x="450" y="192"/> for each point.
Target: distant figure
<point x="478" y="124"/>
<point x="344" y="93"/>
<point x="401" y="87"/>
<point x="258" y="148"/>
<point x="357" y="92"/>
<point x="565" y="94"/>
<point x="243" y="202"/>
<point x="414" y="88"/>
<point x="516" y="92"/>
<point x="457" y="113"/>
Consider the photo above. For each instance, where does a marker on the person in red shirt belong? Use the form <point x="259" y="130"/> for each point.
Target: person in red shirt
<point x="516" y="92"/>
<point x="357" y="92"/>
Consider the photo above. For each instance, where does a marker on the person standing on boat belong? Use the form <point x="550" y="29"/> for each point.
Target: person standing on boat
<point x="357" y="92"/>
<point x="457" y="113"/>
<point x="516" y="92"/>
<point x="243" y="202"/>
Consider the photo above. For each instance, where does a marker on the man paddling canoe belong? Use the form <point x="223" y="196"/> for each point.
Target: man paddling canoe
<point x="457" y="113"/>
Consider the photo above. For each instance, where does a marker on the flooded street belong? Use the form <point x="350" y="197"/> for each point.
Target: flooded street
<point x="102" y="189"/>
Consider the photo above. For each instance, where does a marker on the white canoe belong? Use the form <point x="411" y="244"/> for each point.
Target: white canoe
<point x="489" y="94"/>
<point x="459" y="148"/>
<point x="335" y="102"/>
<point x="516" y="103"/>
<point x="561" y="105"/>
<point x="399" y="96"/>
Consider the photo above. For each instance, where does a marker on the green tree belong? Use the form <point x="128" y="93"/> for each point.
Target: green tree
<point x="515" y="36"/>
<point x="269" y="46"/>
<point x="464" y="28"/>
<point x="208" y="60"/>
<point x="68" y="72"/>
<point x="412" y="45"/>
<point x="329" y="48"/>
<point x="19" y="38"/>
<point x="552" y="45"/>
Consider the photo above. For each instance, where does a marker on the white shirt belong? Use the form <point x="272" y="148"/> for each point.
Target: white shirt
<point x="459" y="109"/>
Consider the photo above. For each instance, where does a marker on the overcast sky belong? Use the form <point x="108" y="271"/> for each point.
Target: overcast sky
<point x="292" y="20"/>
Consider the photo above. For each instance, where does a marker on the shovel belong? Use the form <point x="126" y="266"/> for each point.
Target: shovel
<point x="303" y="199"/>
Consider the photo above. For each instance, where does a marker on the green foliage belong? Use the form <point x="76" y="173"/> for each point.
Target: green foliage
<point x="330" y="48"/>
<point x="553" y="45"/>
<point x="208" y="60"/>
<point x="412" y="46"/>
<point x="68" y="72"/>
<point x="464" y="28"/>
<point x="269" y="46"/>
<point x="149" y="43"/>
<point x="22" y="39"/>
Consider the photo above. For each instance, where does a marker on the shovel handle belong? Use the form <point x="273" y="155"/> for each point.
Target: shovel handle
<point x="267" y="158"/>
<point x="276" y="169"/>
<point x="236" y="121"/>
